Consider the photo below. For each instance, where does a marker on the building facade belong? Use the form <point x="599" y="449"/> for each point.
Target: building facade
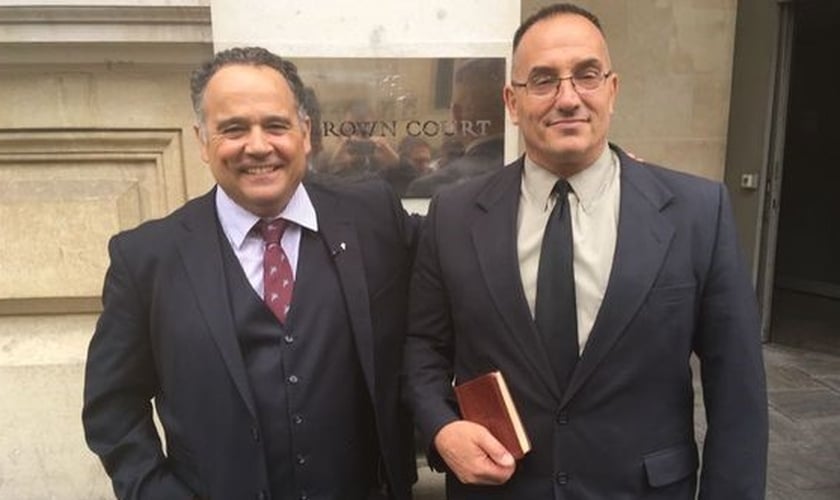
<point x="96" y="136"/>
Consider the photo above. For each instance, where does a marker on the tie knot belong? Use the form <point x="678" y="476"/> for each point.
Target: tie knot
<point x="561" y="188"/>
<point x="561" y="191"/>
<point x="272" y="230"/>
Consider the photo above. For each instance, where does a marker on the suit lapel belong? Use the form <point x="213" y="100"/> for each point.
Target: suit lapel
<point x="202" y="257"/>
<point x="494" y="237"/>
<point x="342" y="239"/>
<point x="644" y="235"/>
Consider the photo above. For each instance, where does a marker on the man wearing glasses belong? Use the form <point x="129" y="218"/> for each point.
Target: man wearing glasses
<point x="588" y="279"/>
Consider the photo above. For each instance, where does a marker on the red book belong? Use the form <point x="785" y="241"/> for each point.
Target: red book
<point x="486" y="400"/>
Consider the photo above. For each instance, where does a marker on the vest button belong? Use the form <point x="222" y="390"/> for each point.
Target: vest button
<point x="255" y="433"/>
<point x="262" y="495"/>
<point x="562" y="418"/>
<point x="288" y="339"/>
<point x="301" y="460"/>
<point x="297" y="419"/>
<point x="293" y="379"/>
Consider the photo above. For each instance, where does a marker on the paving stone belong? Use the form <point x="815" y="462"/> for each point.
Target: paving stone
<point x="820" y="494"/>
<point x="819" y="365"/>
<point x="781" y="377"/>
<point x="832" y="382"/>
<point x="804" y="404"/>
<point x="794" y="494"/>
<point x="827" y="433"/>
<point x="430" y="485"/>
<point x="783" y="429"/>
<point x="775" y="355"/>
<point x="776" y="492"/>
<point x="802" y="466"/>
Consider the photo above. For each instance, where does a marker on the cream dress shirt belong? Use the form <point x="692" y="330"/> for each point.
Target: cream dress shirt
<point x="593" y="205"/>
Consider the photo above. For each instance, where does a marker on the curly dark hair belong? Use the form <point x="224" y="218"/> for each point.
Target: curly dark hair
<point x="250" y="56"/>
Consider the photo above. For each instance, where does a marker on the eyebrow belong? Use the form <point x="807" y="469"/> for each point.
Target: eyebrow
<point x="229" y="121"/>
<point x="583" y="64"/>
<point x="278" y="119"/>
<point x="239" y="120"/>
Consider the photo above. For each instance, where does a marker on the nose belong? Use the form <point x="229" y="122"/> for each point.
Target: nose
<point x="257" y="145"/>
<point x="567" y="96"/>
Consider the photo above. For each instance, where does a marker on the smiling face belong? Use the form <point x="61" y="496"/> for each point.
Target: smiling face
<point x="253" y="138"/>
<point x="567" y="132"/>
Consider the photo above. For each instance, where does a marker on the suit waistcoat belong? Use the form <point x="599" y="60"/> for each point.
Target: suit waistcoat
<point x="314" y="412"/>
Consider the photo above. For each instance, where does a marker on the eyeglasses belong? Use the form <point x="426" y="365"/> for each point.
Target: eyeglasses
<point x="548" y="86"/>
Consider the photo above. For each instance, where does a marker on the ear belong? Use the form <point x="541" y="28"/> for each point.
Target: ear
<point x="613" y="86"/>
<point x="306" y="128"/>
<point x="510" y="103"/>
<point x="201" y="136"/>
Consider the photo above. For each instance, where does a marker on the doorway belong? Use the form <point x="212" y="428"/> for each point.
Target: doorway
<point x="806" y="278"/>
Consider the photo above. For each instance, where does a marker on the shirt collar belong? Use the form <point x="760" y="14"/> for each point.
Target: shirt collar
<point x="238" y="222"/>
<point x="588" y="185"/>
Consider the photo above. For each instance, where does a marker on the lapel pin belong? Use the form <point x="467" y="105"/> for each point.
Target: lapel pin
<point x="341" y="247"/>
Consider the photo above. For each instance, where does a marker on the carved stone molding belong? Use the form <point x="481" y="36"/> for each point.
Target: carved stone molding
<point x="61" y="34"/>
<point x="115" y="23"/>
<point x="63" y="193"/>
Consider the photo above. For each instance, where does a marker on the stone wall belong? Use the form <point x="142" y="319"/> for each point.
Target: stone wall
<point x="95" y="137"/>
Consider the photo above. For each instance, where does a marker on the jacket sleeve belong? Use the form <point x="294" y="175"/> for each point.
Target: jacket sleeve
<point x="728" y="344"/>
<point x="429" y="347"/>
<point x="120" y="382"/>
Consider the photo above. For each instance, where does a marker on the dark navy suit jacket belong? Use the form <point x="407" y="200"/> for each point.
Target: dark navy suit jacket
<point x="166" y="333"/>
<point x="624" y="428"/>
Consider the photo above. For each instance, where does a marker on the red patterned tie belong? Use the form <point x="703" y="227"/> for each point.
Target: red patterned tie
<point x="278" y="280"/>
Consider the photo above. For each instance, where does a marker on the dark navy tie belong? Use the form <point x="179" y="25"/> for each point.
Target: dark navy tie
<point x="555" y="310"/>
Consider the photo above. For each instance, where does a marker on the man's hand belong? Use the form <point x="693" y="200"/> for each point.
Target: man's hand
<point x="473" y="454"/>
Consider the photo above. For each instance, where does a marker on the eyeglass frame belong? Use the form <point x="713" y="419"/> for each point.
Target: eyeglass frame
<point x="604" y="76"/>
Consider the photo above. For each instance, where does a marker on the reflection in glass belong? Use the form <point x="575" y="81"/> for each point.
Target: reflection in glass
<point x="385" y="118"/>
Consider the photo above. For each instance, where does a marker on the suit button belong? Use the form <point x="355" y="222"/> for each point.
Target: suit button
<point x="301" y="460"/>
<point x="293" y="379"/>
<point x="561" y="478"/>
<point x="562" y="418"/>
<point x="255" y="433"/>
<point x="297" y="419"/>
<point x="304" y="496"/>
<point x="262" y="495"/>
<point x="288" y="339"/>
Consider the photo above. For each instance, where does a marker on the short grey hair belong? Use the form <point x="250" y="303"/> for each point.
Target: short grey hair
<point x="553" y="10"/>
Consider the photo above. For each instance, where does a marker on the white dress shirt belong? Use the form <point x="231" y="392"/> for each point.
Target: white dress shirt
<point x="249" y="247"/>
<point x="593" y="205"/>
